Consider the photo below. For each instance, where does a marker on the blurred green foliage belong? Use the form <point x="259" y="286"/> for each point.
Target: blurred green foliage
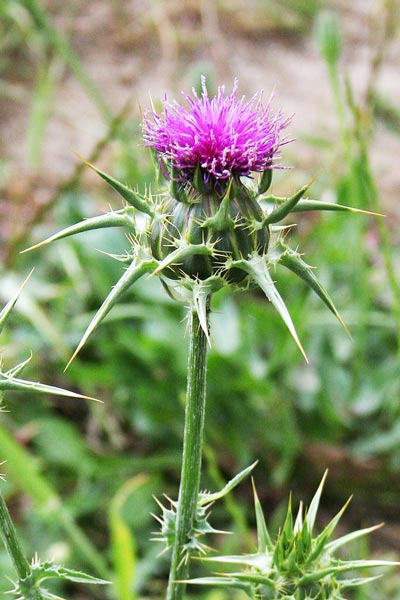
<point x="341" y="410"/>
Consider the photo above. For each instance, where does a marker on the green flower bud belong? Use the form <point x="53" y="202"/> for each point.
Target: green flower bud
<point x="225" y="223"/>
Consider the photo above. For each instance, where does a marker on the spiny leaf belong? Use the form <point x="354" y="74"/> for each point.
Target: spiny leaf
<point x="118" y="218"/>
<point x="198" y="180"/>
<point x="265" y="181"/>
<point x="178" y="255"/>
<point x="343" y="567"/>
<point x="307" y="205"/>
<point x="286" y="534"/>
<point x="350" y="583"/>
<point x="298" y="523"/>
<point x="18" y="368"/>
<point x="201" y="299"/>
<point x="131" y="275"/>
<point x="313" y="508"/>
<point x="177" y="186"/>
<point x="282" y="210"/>
<point x="207" y="497"/>
<point x="222" y="581"/>
<point x="221" y="220"/>
<point x="293" y="261"/>
<point x="323" y="537"/>
<point x="256" y="578"/>
<point x="258" y="561"/>
<point x="47" y="570"/>
<point x="10" y="304"/>
<point x="15" y="384"/>
<point x="133" y="198"/>
<point x="263" y="538"/>
<point x="257" y="269"/>
<point x="349" y="537"/>
<point x="201" y="292"/>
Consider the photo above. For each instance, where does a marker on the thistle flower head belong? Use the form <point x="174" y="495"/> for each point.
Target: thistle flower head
<point x="224" y="136"/>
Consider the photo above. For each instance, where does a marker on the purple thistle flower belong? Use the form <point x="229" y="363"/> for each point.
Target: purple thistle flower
<point x="223" y="135"/>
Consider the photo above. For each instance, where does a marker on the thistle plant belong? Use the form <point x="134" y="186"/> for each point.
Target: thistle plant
<point x="210" y="223"/>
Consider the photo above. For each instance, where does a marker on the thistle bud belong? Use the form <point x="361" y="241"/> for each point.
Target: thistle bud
<point x="210" y="146"/>
<point x="298" y="565"/>
<point x="224" y="224"/>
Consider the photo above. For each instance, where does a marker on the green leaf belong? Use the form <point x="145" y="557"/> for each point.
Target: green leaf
<point x="350" y="583"/>
<point x="133" y="198"/>
<point x="177" y="186"/>
<point x="123" y="549"/>
<point x="208" y="497"/>
<point x="198" y="180"/>
<point x="201" y="301"/>
<point x="263" y="538"/>
<point x="184" y="251"/>
<point x="259" y="561"/>
<point x="342" y="568"/>
<point x="29" y="306"/>
<point x="221" y="220"/>
<point x="298" y="523"/>
<point x="252" y="578"/>
<point x="293" y="261"/>
<point x="15" y="384"/>
<point x="119" y="218"/>
<point x="307" y="205"/>
<point x="282" y="210"/>
<point x="257" y="269"/>
<point x="349" y="537"/>
<point x="265" y="181"/>
<point x="313" y="508"/>
<point x="202" y="290"/>
<point x="222" y="581"/>
<point x="18" y="368"/>
<point x="322" y="539"/>
<point x="47" y="570"/>
<point x="10" y="304"/>
<point x="131" y="275"/>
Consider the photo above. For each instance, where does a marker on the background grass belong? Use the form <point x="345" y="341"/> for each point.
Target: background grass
<point x="264" y="403"/>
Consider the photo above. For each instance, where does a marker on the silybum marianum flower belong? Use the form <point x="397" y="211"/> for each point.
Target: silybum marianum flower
<point x="205" y="149"/>
<point x="222" y="136"/>
<point x="211" y="223"/>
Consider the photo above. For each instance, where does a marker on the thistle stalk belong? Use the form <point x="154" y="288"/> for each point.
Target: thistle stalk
<point x="191" y="459"/>
<point x="11" y="542"/>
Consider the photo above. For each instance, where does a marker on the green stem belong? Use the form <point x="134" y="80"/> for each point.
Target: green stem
<point x="191" y="460"/>
<point x="13" y="547"/>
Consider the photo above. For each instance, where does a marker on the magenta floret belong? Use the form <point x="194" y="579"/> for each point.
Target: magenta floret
<point x="223" y="135"/>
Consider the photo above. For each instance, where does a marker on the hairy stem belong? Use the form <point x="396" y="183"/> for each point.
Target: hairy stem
<point x="13" y="547"/>
<point x="191" y="460"/>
